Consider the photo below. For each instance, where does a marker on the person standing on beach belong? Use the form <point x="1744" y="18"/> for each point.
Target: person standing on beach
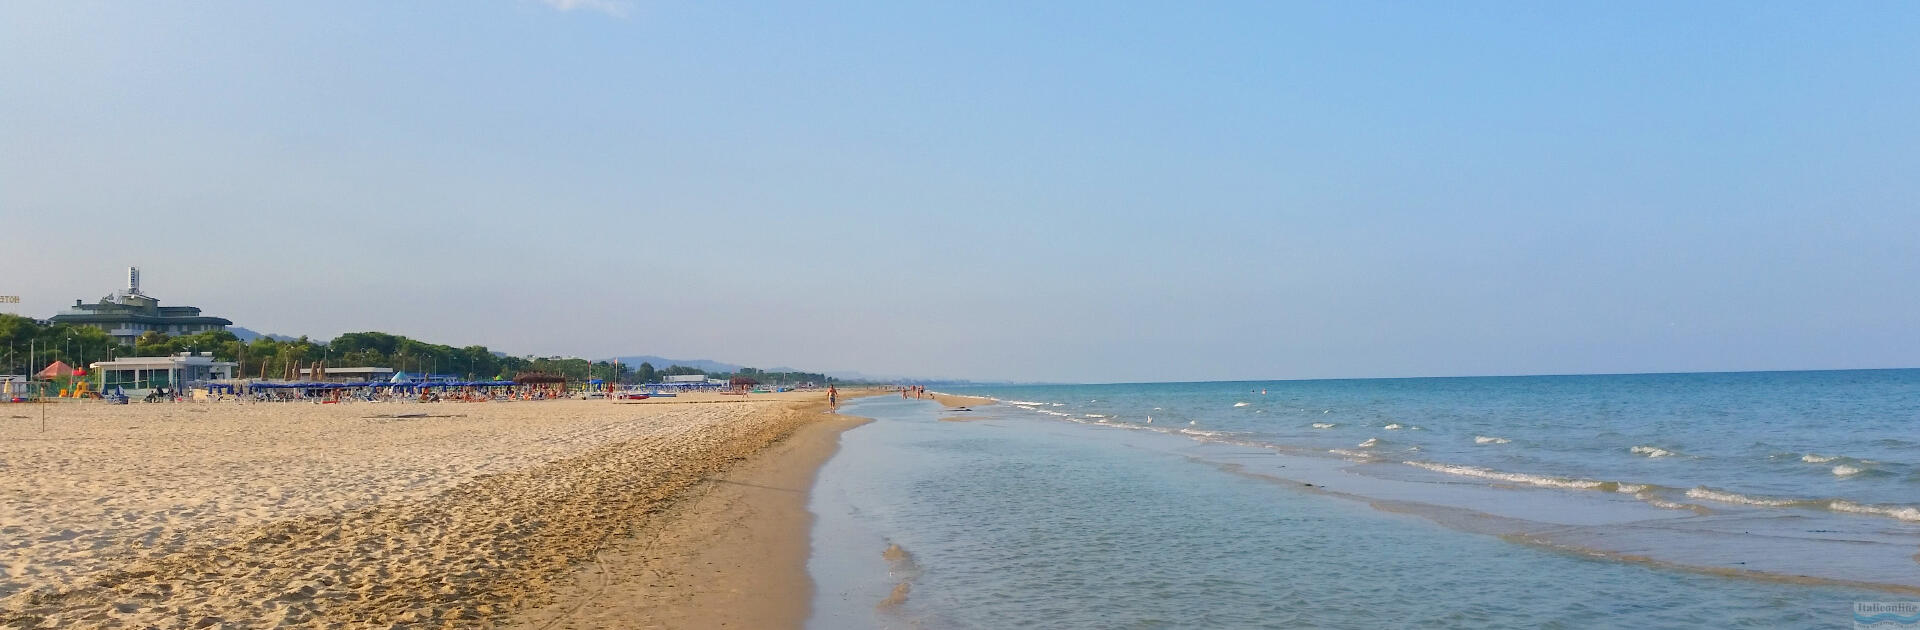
<point x="833" y="397"/>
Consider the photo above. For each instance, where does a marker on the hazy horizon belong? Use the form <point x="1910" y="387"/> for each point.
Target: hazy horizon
<point x="1061" y="193"/>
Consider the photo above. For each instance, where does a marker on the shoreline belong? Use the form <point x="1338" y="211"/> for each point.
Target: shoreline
<point x="730" y="553"/>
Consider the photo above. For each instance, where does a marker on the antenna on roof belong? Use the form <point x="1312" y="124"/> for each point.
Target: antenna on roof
<point x="133" y="280"/>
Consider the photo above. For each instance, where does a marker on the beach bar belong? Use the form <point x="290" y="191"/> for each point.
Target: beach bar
<point x="139" y="376"/>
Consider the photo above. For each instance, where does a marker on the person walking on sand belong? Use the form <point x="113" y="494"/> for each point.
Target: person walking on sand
<point x="833" y="397"/>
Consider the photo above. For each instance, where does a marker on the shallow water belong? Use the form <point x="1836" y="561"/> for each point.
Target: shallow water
<point x="1811" y="474"/>
<point x="1017" y="519"/>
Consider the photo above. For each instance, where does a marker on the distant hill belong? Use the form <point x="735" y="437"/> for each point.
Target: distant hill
<point x="661" y="363"/>
<point x="248" y="335"/>
<point x="704" y="365"/>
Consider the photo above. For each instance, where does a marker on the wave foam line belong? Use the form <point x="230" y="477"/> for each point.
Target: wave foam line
<point x="1908" y="513"/>
<point x="1544" y="481"/>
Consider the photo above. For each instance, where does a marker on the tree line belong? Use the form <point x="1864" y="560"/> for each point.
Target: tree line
<point x="30" y="346"/>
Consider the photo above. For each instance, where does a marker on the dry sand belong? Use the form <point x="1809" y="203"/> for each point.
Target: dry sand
<point x="234" y="515"/>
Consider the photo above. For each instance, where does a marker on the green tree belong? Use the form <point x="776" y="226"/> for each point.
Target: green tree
<point x="152" y="343"/>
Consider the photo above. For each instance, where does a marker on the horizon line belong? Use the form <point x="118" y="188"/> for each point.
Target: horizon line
<point x="1408" y="378"/>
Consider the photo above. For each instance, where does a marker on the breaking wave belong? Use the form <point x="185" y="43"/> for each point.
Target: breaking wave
<point x="1544" y="481"/>
<point x="1908" y="513"/>
<point x="1651" y="451"/>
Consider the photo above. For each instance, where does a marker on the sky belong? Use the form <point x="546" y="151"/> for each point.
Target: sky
<point x="1059" y="191"/>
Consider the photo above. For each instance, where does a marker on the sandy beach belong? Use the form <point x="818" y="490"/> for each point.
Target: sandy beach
<point x="237" y="515"/>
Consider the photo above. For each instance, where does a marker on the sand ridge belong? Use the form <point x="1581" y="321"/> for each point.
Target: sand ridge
<point x="959" y="400"/>
<point x="300" y="515"/>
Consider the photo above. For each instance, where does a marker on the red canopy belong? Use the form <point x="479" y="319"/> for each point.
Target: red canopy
<point x="57" y="370"/>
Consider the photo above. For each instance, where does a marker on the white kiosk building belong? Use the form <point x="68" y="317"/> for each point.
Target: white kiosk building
<point x="139" y="376"/>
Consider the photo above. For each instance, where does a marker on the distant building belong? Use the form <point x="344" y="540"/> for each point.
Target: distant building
<point x="685" y="378"/>
<point x="125" y="315"/>
<point x="137" y="376"/>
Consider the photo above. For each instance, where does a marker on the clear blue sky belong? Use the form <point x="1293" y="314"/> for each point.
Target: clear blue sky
<point x="1050" y="191"/>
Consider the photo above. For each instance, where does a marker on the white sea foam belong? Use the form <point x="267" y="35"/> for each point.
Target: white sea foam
<point x="1351" y="454"/>
<point x="1844" y="470"/>
<point x="1908" y="513"/>
<point x="1028" y="403"/>
<point x="1370" y="443"/>
<point x="1200" y="433"/>
<point x="1651" y="451"/>
<point x="1663" y="503"/>
<point x="1901" y="512"/>
<point x="1814" y="458"/>
<point x="1241" y="404"/>
<point x="1487" y="439"/>
<point x="1392" y="427"/>
<point x="1532" y="480"/>
<point x="1322" y="425"/>
<point x="1710" y="494"/>
<point x="1095" y="415"/>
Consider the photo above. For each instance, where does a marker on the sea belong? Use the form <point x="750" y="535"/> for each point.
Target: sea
<point x="1736" y="500"/>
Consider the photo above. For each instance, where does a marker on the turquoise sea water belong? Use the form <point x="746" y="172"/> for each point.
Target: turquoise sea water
<point x="1723" y="500"/>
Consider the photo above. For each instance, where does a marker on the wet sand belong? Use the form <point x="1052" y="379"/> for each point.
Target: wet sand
<point x="733" y="555"/>
<point x="234" y="515"/>
<point x="956" y="400"/>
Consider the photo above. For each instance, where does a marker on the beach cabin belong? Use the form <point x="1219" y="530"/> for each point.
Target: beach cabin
<point x="139" y="376"/>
